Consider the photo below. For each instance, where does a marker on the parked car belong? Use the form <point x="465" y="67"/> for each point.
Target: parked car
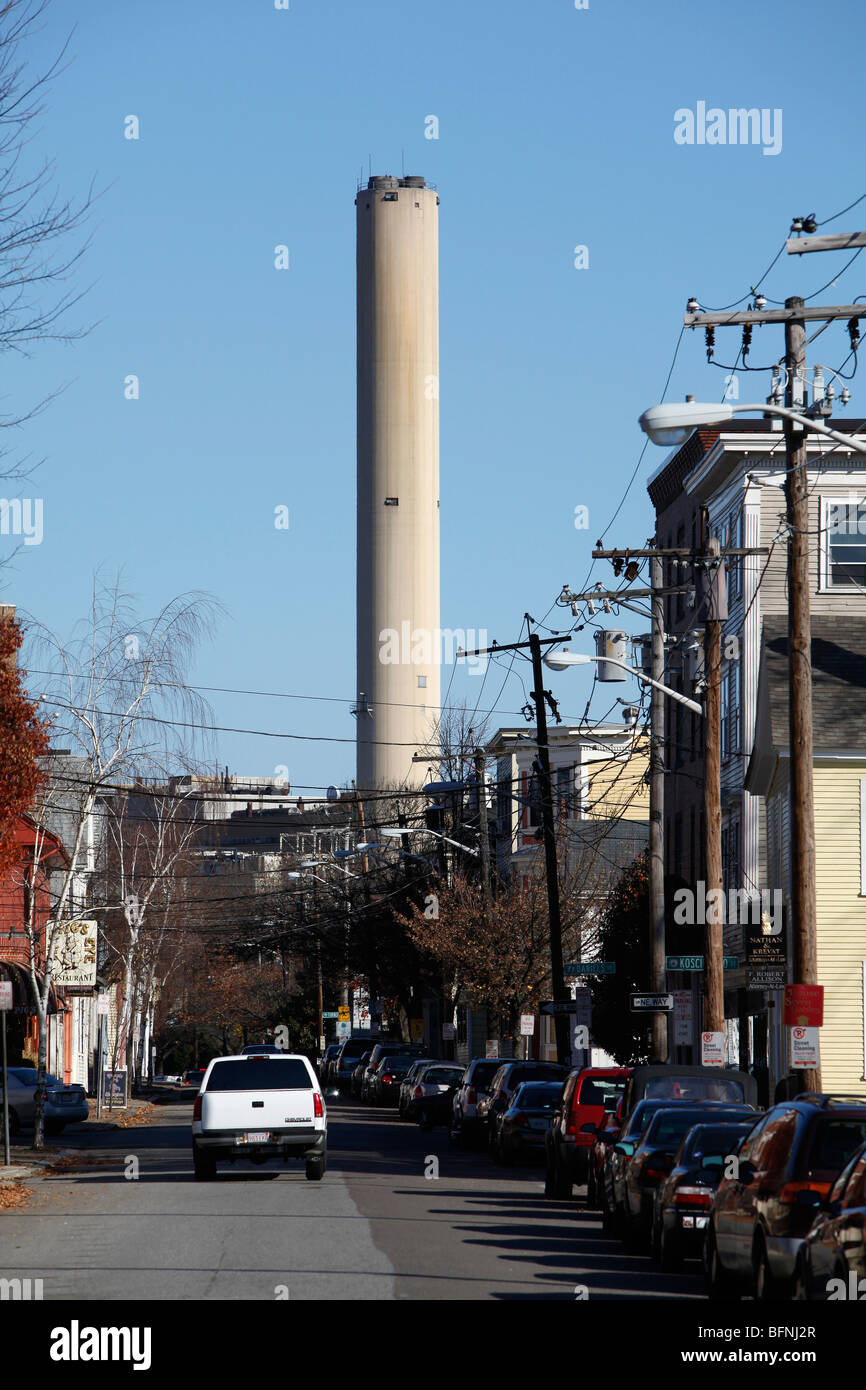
<point x="370" y="1091"/>
<point x="61" y="1105"/>
<point x="432" y="1099"/>
<point x="523" y="1126"/>
<point x="588" y="1093"/>
<point x="466" y="1127"/>
<point x="326" y="1062"/>
<point x="760" y="1217"/>
<point x="347" y="1059"/>
<point x="280" y="1096"/>
<point x="358" y="1075"/>
<point x="385" y="1080"/>
<point x="617" y="1154"/>
<point x="651" y="1158"/>
<point x="260" y="1049"/>
<point x="835" y="1246"/>
<point x="194" y="1077"/>
<point x="671" y="1081"/>
<point x="606" y="1135"/>
<point x="409" y="1080"/>
<point x="683" y="1198"/>
<point x="504" y="1083"/>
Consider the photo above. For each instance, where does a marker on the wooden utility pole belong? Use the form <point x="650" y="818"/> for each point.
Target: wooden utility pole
<point x="805" y="908"/>
<point x="563" y="1045"/>
<point x="659" y="1022"/>
<point x="714" y="1004"/>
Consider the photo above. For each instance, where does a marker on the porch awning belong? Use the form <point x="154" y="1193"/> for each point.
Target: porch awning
<point x="22" y="995"/>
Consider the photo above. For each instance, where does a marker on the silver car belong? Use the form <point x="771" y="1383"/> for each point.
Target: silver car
<point x="63" y="1105"/>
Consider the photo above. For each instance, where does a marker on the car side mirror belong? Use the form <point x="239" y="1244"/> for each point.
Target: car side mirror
<point x="625" y="1147"/>
<point x="747" y="1172"/>
<point x="807" y="1197"/>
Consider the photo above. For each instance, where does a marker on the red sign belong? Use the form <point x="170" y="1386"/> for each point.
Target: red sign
<point x="804" y="1006"/>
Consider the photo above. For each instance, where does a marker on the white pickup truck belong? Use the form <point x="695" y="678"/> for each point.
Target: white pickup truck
<point x="259" y="1107"/>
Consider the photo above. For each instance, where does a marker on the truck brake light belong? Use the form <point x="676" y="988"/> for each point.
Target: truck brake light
<point x="196" y="1107"/>
<point x="318" y="1107"/>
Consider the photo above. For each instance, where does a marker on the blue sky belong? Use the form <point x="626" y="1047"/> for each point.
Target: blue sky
<point x="556" y="129"/>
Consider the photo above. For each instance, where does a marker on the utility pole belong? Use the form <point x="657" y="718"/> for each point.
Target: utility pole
<point x="794" y="317"/>
<point x="659" y="1022"/>
<point x="715" y="611"/>
<point x="560" y="993"/>
<point x="563" y="1044"/>
<point x="800" y="672"/>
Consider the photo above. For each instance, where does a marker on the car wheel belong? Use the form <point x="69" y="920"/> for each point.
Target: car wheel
<point x="316" y="1168"/>
<point x="720" y="1284"/>
<point x="204" y="1165"/>
<point x="765" y="1287"/>
<point x="670" y="1253"/>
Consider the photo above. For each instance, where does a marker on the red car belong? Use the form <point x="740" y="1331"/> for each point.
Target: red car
<point x="588" y="1095"/>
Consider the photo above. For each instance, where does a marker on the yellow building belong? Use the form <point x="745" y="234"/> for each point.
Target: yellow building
<point x="839" y="743"/>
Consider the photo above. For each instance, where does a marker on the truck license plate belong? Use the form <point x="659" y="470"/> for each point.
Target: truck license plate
<point x="254" y="1136"/>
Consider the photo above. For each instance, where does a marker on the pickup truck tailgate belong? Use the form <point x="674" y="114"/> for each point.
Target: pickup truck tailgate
<point x="256" y="1109"/>
<point x="259" y="1093"/>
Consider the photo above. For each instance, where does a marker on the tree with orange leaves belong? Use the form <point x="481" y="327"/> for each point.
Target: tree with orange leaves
<point x="23" y="740"/>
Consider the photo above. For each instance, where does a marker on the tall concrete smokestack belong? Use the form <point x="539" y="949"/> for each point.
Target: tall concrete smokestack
<point x="399" y="648"/>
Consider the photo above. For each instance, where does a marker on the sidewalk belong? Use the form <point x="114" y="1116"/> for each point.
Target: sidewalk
<point x="25" y="1162"/>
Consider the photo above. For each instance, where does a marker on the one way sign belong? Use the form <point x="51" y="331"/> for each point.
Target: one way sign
<point x="640" y="1002"/>
<point x="559" y="1006"/>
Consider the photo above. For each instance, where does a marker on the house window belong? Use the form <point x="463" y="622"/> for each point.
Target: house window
<point x="503" y="804"/>
<point x="564" y="798"/>
<point x="844" y="530"/>
<point x="730" y="718"/>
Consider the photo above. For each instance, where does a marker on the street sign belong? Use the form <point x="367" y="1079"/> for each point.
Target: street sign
<point x="102" y="1005"/>
<point x="712" y="1049"/>
<point x="805" y="1048"/>
<point x="343" y="1013"/>
<point x="330" y="1013"/>
<point x="699" y="962"/>
<point x="559" y="1006"/>
<point x="5" y="994"/>
<point x="589" y="967"/>
<point x="683" y="1017"/>
<point x="344" y="1028"/>
<point x="766" y="954"/>
<point x="639" y="1002"/>
<point x="491" y="1047"/>
<point x="527" y="1025"/>
<point x="804" y="1006"/>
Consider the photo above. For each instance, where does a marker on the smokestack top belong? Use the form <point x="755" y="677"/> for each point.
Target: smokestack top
<point x="389" y="181"/>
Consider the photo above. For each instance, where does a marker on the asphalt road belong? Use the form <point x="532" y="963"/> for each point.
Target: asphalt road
<point x="376" y="1227"/>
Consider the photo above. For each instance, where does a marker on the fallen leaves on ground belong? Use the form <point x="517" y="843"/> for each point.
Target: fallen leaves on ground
<point x="13" y="1194"/>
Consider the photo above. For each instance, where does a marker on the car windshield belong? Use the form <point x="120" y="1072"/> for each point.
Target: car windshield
<point x="541" y="1071"/>
<point x="668" y="1127"/>
<point x="537" y="1095"/>
<point x="833" y="1143"/>
<point x="449" y="1076"/>
<point x="598" y="1090"/>
<point x="260" y="1074"/>
<point x="711" y="1142"/>
<point x="483" y="1073"/>
<point x="676" y="1087"/>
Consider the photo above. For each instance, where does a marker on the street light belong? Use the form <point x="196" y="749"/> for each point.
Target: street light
<point x="422" y="830"/>
<point x="672" y="424"/>
<point x="558" y="661"/>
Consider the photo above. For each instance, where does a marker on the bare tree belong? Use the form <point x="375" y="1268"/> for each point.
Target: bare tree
<point x="40" y="241"/>
<point x="120" y="699"/>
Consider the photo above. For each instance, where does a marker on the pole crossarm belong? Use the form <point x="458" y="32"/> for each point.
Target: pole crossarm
<point x="810" y="313"/>
<point x="835" y="241"/>
<point x="678" y="552"/>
